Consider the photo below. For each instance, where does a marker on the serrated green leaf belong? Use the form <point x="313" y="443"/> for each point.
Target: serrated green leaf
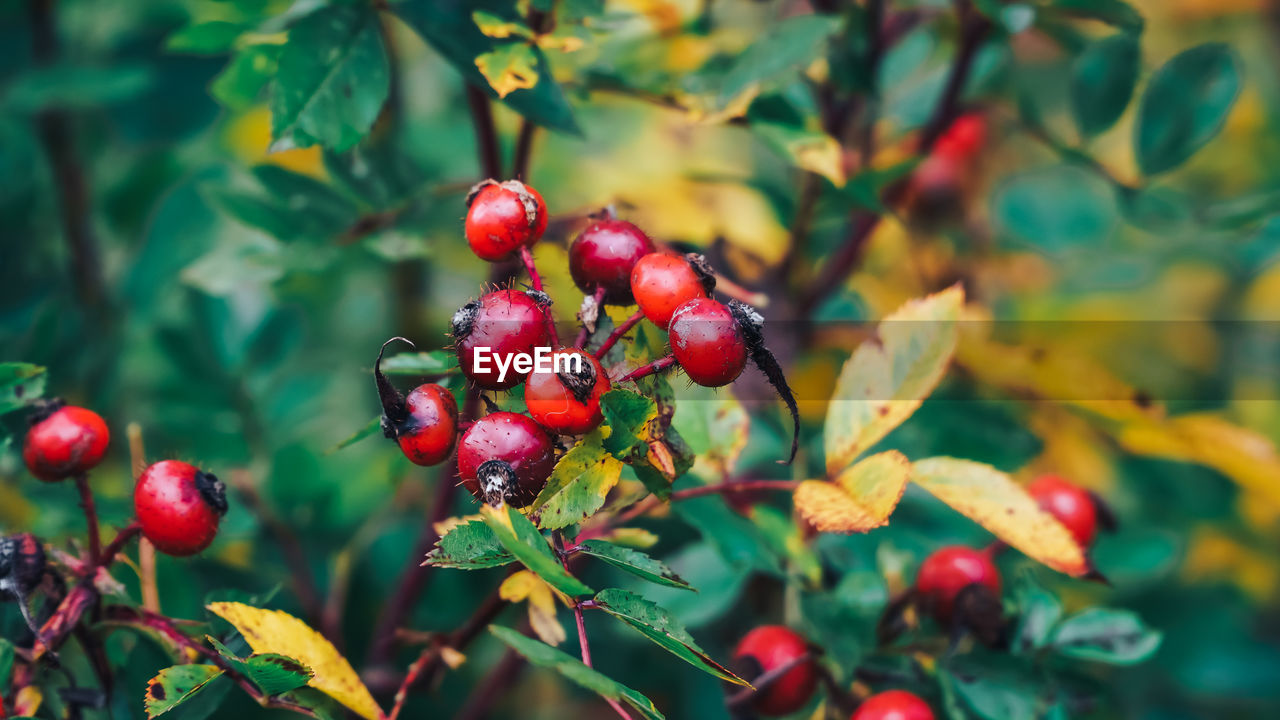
<point x="627" y="414"/>
<point x="1185" y="105"/>
<point x="176" y="685"/>
<point x="420" y="363"/>
<point x="1102" y="81"/>
<point x="662" y="628"/>
<point x="210" y="38"/>
<point x="333" y="79"/>
<point x="634" y="562"/>
<point x="20" y="385"/>
<point x="519" y="536"/>
<point x="578" y="485"/>
<point x="275" y="673"/>
<point x="469" y="546"/>
<point x="1115" y="637"/>
<point x="543" y="655"/>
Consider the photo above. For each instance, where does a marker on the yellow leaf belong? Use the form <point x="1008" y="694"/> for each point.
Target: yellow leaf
<point x="509" y="68"/>
<point x="889" y="376"/>
<point x="860" y="499"/>
<point x="993" y="500"/>
<point x="563" y="43"/>
<point x="496" y="27"/>
<point x="443" y="527"/>
<point x="452" y="657"/>
<point x="1245" y="456"/>
<point x="1213" y="555"/>
<point x="525" y="586"/>
<point x="273" y="631"/>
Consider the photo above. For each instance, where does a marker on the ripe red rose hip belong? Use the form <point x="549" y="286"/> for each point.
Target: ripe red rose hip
<point x="770" y="647"/>
<point x="604" y="255"/>
<point x="179" y="506"/>
<point x="425" y="424"/>
<point x="708" y="342"/>
<point x="1072" y="505"/>
<point x="963" y="139"/>
<point x="64" y="441"/>
<point x="508" y="324"/>
<point x="502" y="217"/>
<point x="505" y="458"/>
<point x="567" y="402"/>
<point x="660" y="283"/>
<point x="893" y="705"/>
<point x="950" y="570"/>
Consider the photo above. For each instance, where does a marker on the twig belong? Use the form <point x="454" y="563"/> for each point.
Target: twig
<point x="90" y="517"/>
<point x="583" y="643"/>
<point x="80" y="599"/>
<point x="617" y="334"/>
<point x="535" y="279"/>
<point x="524" y="150"/>
<point x="302" y="579"/>
<point x="652" y="368"/>
<point x="734" y="486"/>
<point x="481" y="700"/>
<point x="411" y="677"/>
<point x="146" y="551"/>
<point x="766" y="680"/>
<point x="486" y="135"/>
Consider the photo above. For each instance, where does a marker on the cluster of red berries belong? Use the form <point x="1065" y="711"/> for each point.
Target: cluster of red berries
<point x="506" y="457"/>
<point x="177" y="506"/>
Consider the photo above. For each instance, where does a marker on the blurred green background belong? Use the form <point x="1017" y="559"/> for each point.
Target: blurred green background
<point x="171" y="272"/>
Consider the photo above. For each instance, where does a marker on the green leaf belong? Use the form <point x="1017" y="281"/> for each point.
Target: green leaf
<point x="519" y="536"/>
<point x="992" y="697"/>
<point x="469" y="546"/>
<point x="258" y="212"/>
<point x="333" y="79"/>
<point x="20" y="385"/>
<point x="370" y="429"/>
<point x="6" y="662"/>
<point x="543" y="655"/>
<point x="303" y="195"/>
<point x="1102" y="81"/>
<point x="805" y="148"/>
<point x="276" y="674"/>
<point x="420" y="363"/>
<point x="777" y="56"/>
<point x="509" y="67"/>
<point x="1185" y="105"/>
<point x="77" y="87"/>
<point x="579" y="484"/>
<point x="634" y="562"/>
<point x="497" y="27"/>
<point x="175" y="685"/>
<point x="1115" y="637"/>
<point x="448" y="27"/>
<point x="240" y="83"/>
<point x="627" y="414"/>
<point x="660" y="626"/>
<point x="1113" y="12"/>
<point x="210" y="38"/>
<point x="1055" y="209"/>
<point x="325" y="707"/>
<point x="1038" y="612"/>
<point x="866" y="189"/>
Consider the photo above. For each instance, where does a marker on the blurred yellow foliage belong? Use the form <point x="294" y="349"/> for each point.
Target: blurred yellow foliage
<point x="248" y="135"/>
<point x="1214" y="555"/>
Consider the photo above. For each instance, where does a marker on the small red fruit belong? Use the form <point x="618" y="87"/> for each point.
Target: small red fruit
<point x="509" y="323"/>
<point x="506" y="458"/>
<point x="179" y="506"/>
<point x="1072" y="505"/>
<point x="502" y="217"/>
<point x="604" y="255"/>
<point x="708" y="342"/>
<point x="951" y="569"/>
<point x="963" y="139"/>
<point x="65" y="442"/>
<point x="893" y="705"/>
<point x="772" y="646"/>
<point x="567" y="402"/>
<point x="660" y="283"/>
<point x="430" y="431"/>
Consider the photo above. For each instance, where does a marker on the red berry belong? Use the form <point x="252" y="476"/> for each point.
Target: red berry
<point x="179" y="506"/>
<point x="604" y="256"/>
<point x="566" y="402"/>
<point x="948" y="571"/>
<point x="708" y="342"/>
<point x="502" y="217"/>
<point x="1072" y="505"/>
<point x="660" y="283"/>
<point x="505" y="458"/>
<point x="893" y="705"/>
<point x="428" y="434"/>
<point x="770" y="647"/>
<point x="509" y="323"/>
<point x="963" y="139"/>
<point x="68" y="441"/>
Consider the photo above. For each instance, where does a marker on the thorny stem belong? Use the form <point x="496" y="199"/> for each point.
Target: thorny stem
<point x="766" y="680"/>
<point x="90" y="517"/>
<point x="411" y="677"/>
<point x="617" y="334"/>
<point x="732" y="486"/>
<point x="81" y="598"/>
<point x="583" y="643"/>
<point x="652" y="368"/>
<point x="535" y="279"/>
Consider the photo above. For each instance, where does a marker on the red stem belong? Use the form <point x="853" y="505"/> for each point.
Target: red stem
<point x="91" y="517"/>
<point x="535" y="279"/>
<point x="617" y="334"/>
<point x="583" y="643"/>
<point x="656" y="366"/>
<point x="411" y="677"/>
<point x="733" y="486"/>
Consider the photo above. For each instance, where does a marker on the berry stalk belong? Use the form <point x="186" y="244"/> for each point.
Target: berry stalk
<point x="91" y="517"/>
<point x="654" y="367"/>
<point x="535" y="279"/>
<point x="618" y="333"/>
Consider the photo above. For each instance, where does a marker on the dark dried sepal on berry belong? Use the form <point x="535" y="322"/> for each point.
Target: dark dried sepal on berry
<point x="1107" y="519"/>
<point x="897" y="617"/>
<point x="580" y="383"/>
<point x="498" y="482"/>
<point x="394" y="410"/>
<point x="752" y="324"/>
<point x="979" y="612"/>
<point x="213" y="490"/>
<point x="475" y="189"/>
<point x="463" y="319"/>
<point x="703" y="270"/>
<point x="527" y="199"/>
<point x="42" y="409"/>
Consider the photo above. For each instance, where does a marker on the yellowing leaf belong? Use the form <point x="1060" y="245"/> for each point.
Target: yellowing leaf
<point x="860" y="499"/>
<point x="273" y="631"/>
<point x="889" y="376"/>
<point x="1243" y="455"/>
<point x="496" y="27"/>
<point x="565" y="43"/>
<point x="452" y="657"/>
<point x="1213" y="555"/>
<point x="811" y="150"/>
<point x="509" y="68"/>
<point x="525" y="586"/>
<point x="993" y="500"/>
